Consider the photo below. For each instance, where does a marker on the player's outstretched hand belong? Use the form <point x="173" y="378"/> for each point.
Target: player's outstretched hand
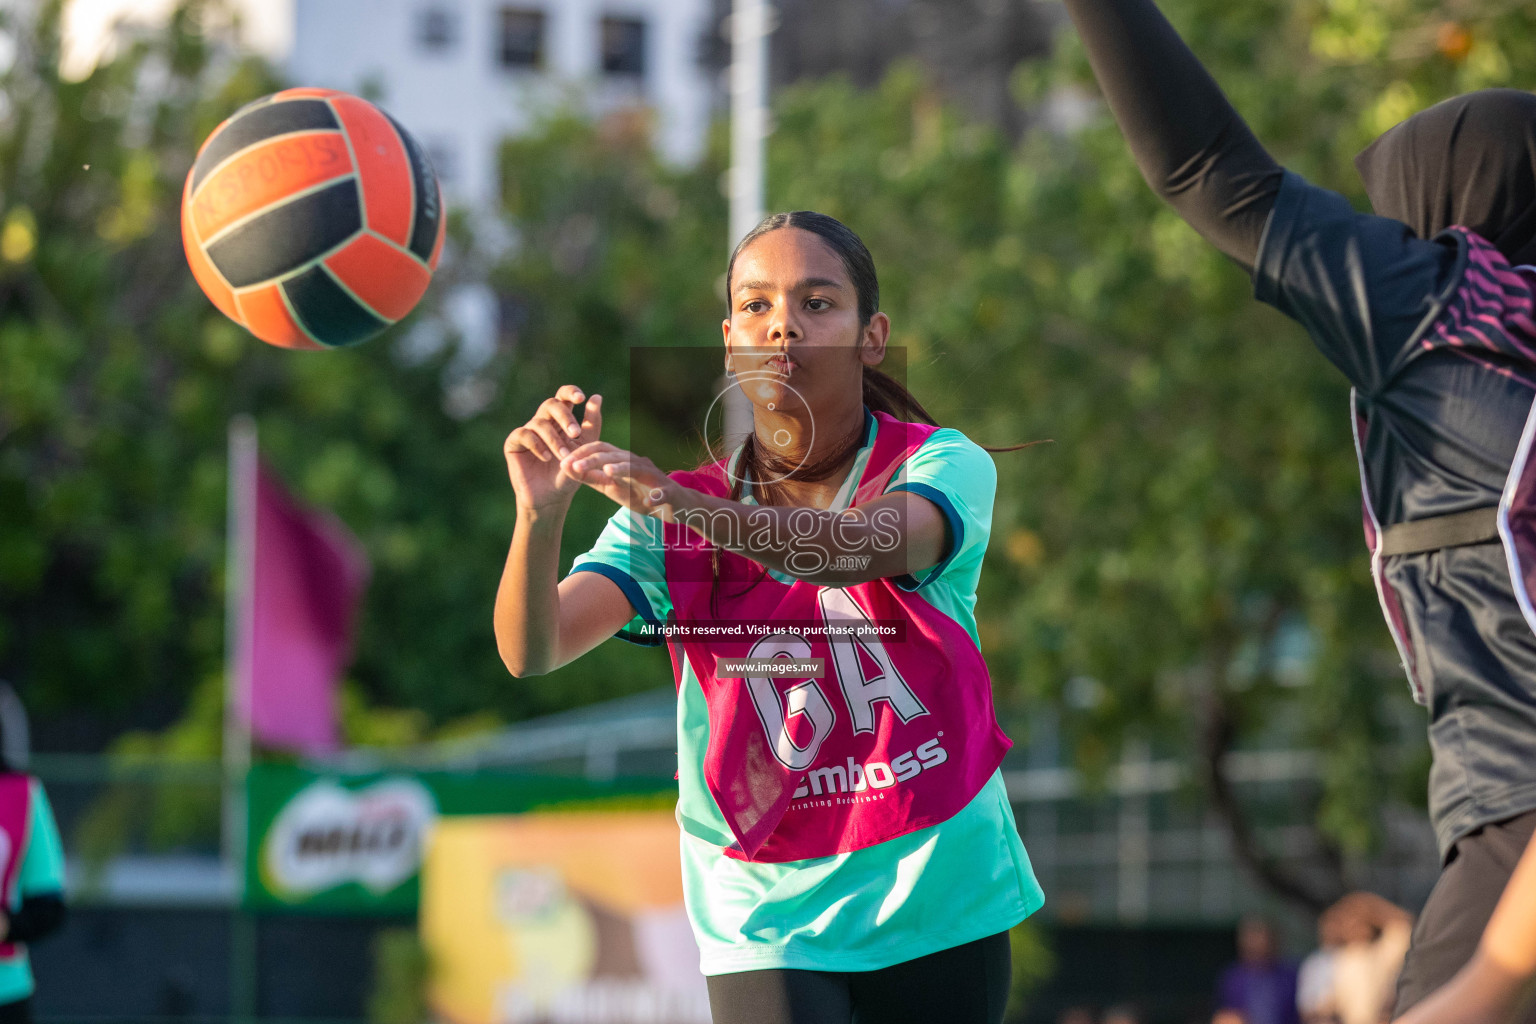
<point x="534" y="450"/>
<point x="624" y="477"/>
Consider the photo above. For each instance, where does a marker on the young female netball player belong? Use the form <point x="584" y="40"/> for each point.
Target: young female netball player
<point x="848" y="849"/>
<point x="1427" y="309"/>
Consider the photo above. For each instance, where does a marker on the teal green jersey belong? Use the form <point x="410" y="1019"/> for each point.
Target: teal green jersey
<point x="938" y="887"/>
<point x="42" y="872"/>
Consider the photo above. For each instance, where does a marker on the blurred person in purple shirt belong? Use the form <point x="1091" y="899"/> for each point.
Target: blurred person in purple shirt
<point x="1260" y="988"/>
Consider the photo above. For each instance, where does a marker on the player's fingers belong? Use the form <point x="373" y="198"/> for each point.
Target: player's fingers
<point x="570" y="393"/>
<point x="525" y="440"/>
<point x="630" y="474"/>
<point x="595" y="461"/>
<point x="592" y="448"/>
<point x="559" y="411"/>
<point x="592" y="476"/>
<point x="635" y="469"/>
<point x="553" y="436"/>
<point x="592" y="418"/>
<point x="639" y="476"/>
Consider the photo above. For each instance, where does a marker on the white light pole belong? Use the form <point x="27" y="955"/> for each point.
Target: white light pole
<point x="749" y="112"/>
<point x="237" y="615"/>
<point x="749" y="129"/>
<point x="240" y="568"/>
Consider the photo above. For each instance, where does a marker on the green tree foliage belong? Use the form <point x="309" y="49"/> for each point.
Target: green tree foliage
<point x="112" y="373"/>
<point x="117" y="379"/>
<point x="401" y="970"/>
<point x="1033" y="963"/>
<point x="1205" y="562"/>
<point x="1196" y="519"/>
<point x="1185" y="563"/>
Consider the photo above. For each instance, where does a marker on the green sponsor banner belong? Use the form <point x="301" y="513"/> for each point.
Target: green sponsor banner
<point x="351" y="842"/>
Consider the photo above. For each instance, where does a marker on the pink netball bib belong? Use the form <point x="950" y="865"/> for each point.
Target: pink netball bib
<point x="896" y="733"/>
<point x="15" y="821"/>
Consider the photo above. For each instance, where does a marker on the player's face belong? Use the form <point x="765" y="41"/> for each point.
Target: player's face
<point x="793" y="338"/>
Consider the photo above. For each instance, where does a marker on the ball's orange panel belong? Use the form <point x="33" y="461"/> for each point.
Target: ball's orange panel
<point x="208" y="279"/>
<point x="305" y="93"/>
<point x="266" y="173"/>
<point x="387" y="279"/>
<point x="383" y="166"/>
<point x="442" y="232"/>
<point x="263" y="312"/>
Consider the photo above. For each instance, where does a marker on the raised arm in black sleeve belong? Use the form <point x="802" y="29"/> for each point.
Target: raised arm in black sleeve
<point x="1192" y="147"/>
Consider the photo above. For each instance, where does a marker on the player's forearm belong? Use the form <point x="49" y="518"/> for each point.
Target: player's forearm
<point x="1189" y="142"/>
<point x="830" y="549"/>
<point x="1510" y="938"/>
<point x="527" y="617"/>
<point x="1482" y="992"/>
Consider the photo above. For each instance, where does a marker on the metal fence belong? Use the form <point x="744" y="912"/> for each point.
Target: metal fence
<point x="156" y="932"/>
<point x="1138" y="847"/>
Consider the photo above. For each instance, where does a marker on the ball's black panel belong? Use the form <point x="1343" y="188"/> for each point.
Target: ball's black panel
<point x="428" y="210"/>
<point x="288" y="236"/>
<point x="327" y="311"/>
<point x="262" y="102"/>
<point x="250" y="126"/>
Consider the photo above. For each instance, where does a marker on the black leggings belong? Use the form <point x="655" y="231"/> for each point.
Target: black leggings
<point x="964" y="985"/>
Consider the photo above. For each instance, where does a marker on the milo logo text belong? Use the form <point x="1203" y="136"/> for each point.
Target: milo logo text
<point x="327" y="836"/>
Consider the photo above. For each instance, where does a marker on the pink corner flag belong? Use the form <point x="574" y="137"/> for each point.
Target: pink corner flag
<point x="306" y="575"/>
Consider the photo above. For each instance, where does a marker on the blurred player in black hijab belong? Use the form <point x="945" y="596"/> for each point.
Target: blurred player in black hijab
<point x="1429" y="310"/>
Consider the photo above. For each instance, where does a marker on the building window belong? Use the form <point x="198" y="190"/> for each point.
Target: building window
<point x="435" y="28"/>
<point x="624" y="47"/>
<point x="522" y="38"/>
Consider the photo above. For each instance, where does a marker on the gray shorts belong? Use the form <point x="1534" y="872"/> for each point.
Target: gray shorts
<point x="1458" y="908"/>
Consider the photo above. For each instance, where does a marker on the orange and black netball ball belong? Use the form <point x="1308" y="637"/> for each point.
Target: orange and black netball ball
<point x="313" y="219"/>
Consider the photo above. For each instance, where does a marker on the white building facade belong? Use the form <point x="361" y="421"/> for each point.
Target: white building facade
<point x="462" y="75"/>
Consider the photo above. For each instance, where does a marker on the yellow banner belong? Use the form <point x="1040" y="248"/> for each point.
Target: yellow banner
<point x="559" y="918"/>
